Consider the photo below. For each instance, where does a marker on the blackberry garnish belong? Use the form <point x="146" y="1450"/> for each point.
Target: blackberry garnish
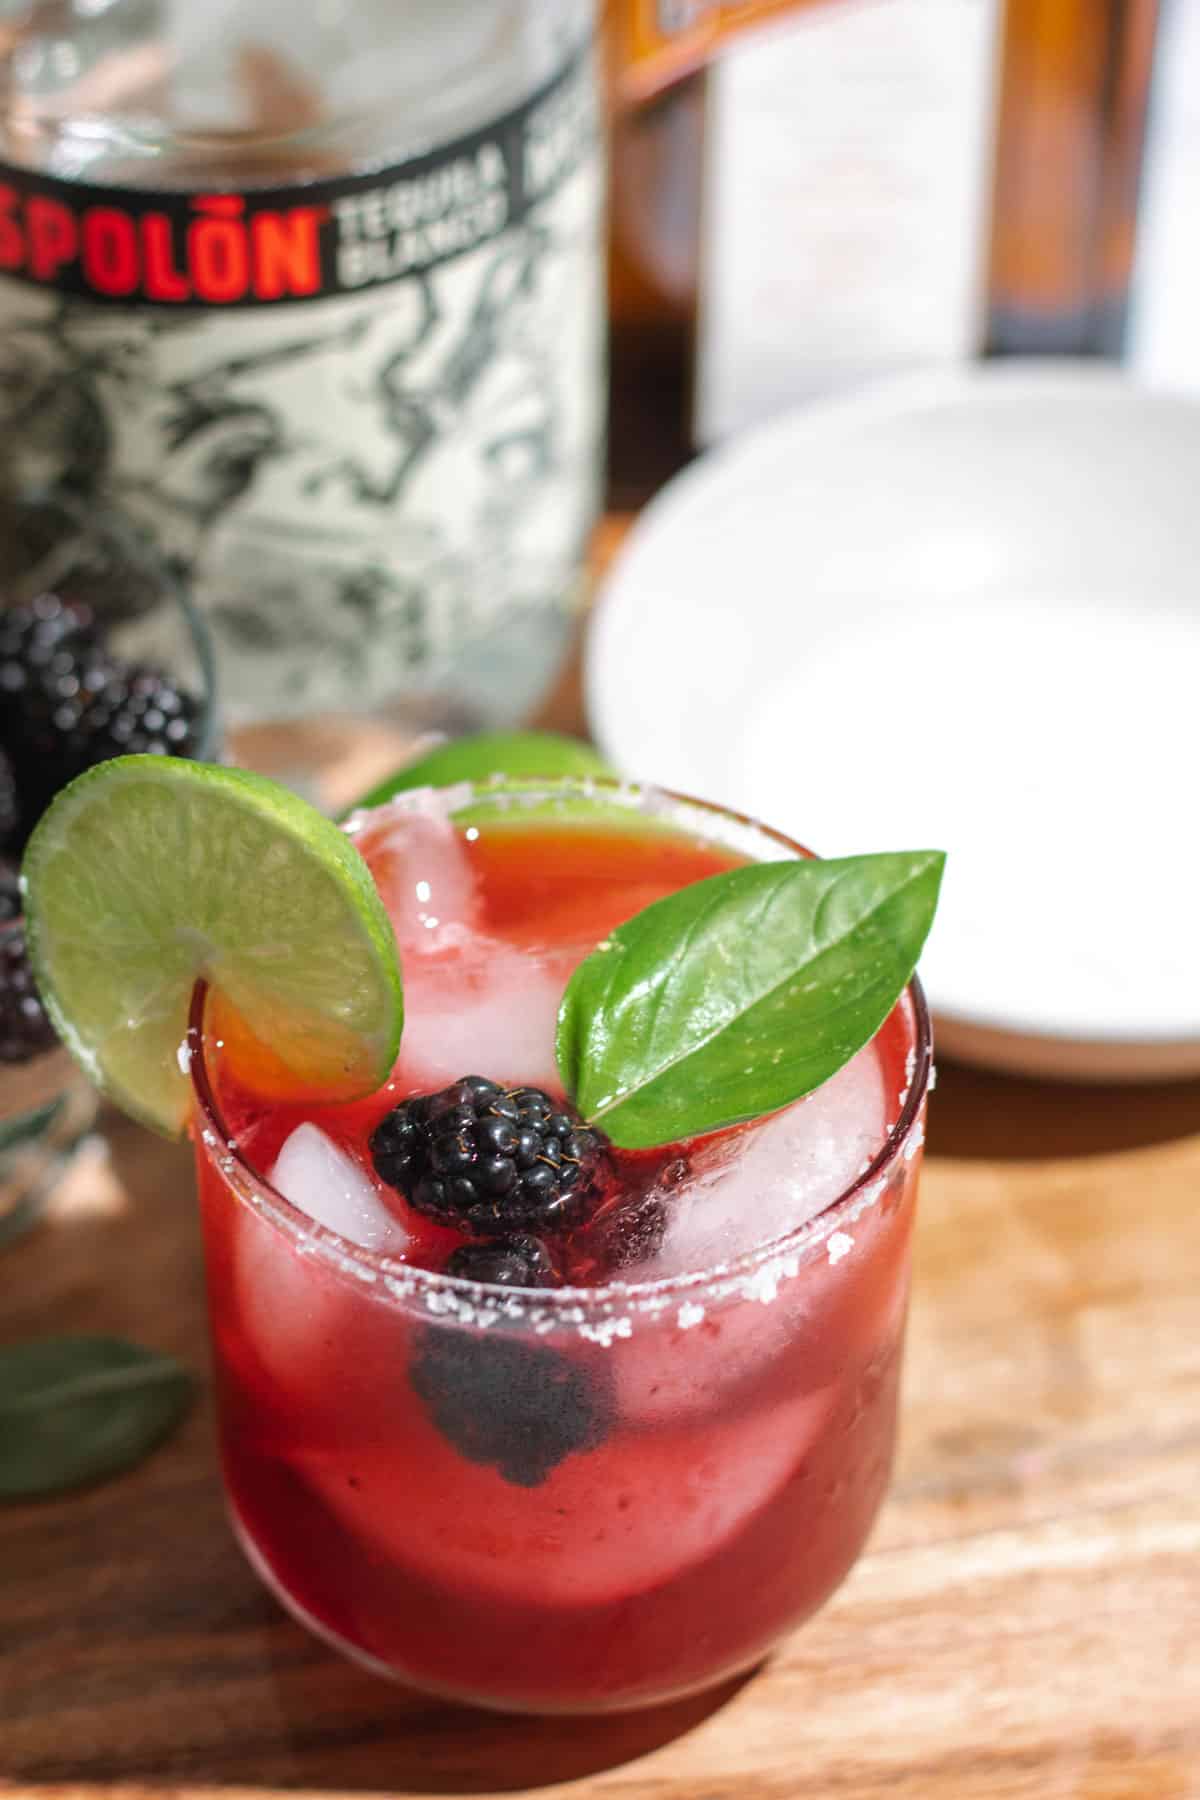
<point x="25" y="1031"/>
<point x="492" y="1160"/>
<point x="40" y="635"/>
<point x="515" y="1262"/>
<point x="141" y="712"/>
<point x="628" y="1230"/>
<point x="67" y="703"/>
<point x="519" y="1408"/>
<point x="95" y="707"/>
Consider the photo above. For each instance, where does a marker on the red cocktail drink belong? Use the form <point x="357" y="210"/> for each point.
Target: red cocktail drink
<point x="613" y="1489"/>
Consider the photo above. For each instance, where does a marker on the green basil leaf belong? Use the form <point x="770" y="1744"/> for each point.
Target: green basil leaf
<point x="486" y="755"/>
<point x="75" y="1409"/>
<point x="740" y="993"/>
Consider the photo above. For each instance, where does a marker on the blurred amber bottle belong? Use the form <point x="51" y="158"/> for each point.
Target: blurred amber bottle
<point x="964" y="179"/>
<point x="1070" y="131"/>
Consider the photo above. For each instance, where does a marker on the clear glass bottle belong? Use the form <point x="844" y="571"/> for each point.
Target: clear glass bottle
<point x="312" y="296"/>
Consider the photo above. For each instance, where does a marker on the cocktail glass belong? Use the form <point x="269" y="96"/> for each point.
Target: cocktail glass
<point x="52" y="543"/>
<point x="575" y="1499"/>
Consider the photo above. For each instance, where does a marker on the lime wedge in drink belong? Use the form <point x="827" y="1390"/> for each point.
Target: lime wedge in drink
<point x="488" y="755"/>
<point x="149" y="872"/>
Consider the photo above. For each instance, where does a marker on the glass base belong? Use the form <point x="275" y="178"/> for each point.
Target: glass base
<point x="301" y="1614"/>
<point x="456" y="1697"/>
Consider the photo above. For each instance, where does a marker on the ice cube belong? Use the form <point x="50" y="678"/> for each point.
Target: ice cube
<point x="606" y="1526"/>
<point x="290" y="1306"/>
<point x="423" y="871"/>
<point x="780" y="1173"/>
<point x="673" y="1374"/>
<point x="828" y="1318"/>
<point x="335" y="1191"/>
<point x="481" y="1009"/>
<point x="769" y="1181"/>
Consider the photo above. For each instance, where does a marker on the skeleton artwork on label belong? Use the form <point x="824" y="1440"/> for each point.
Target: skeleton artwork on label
<point x="357" y="485"/>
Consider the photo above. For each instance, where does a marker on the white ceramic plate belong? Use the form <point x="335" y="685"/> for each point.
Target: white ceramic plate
<point x="963" y="611"/>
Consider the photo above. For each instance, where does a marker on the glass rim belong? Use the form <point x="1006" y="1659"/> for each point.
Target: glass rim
<point x="755" y="1271"/>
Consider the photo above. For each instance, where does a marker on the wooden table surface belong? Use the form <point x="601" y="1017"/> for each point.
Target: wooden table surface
<point x="1023" y="1623"/>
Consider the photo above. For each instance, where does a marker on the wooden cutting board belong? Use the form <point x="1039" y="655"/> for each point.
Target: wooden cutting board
<point x="1023" y="1624"/>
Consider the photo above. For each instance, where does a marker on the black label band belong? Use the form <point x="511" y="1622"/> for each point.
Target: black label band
<point x="134" y="246"/>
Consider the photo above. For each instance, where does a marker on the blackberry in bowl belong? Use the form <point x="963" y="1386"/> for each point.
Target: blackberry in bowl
<point x="101" y="654"/>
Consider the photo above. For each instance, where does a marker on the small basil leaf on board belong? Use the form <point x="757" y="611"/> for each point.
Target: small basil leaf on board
<point x="740" y="993"/>
<point x="75" y="1409"/>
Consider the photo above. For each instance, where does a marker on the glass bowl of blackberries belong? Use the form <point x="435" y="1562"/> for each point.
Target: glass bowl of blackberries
<point x="102" y="654"/>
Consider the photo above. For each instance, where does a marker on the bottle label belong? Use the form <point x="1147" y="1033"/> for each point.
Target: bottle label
<point x="846" y="204"/>
<point x="363" y="414"/>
